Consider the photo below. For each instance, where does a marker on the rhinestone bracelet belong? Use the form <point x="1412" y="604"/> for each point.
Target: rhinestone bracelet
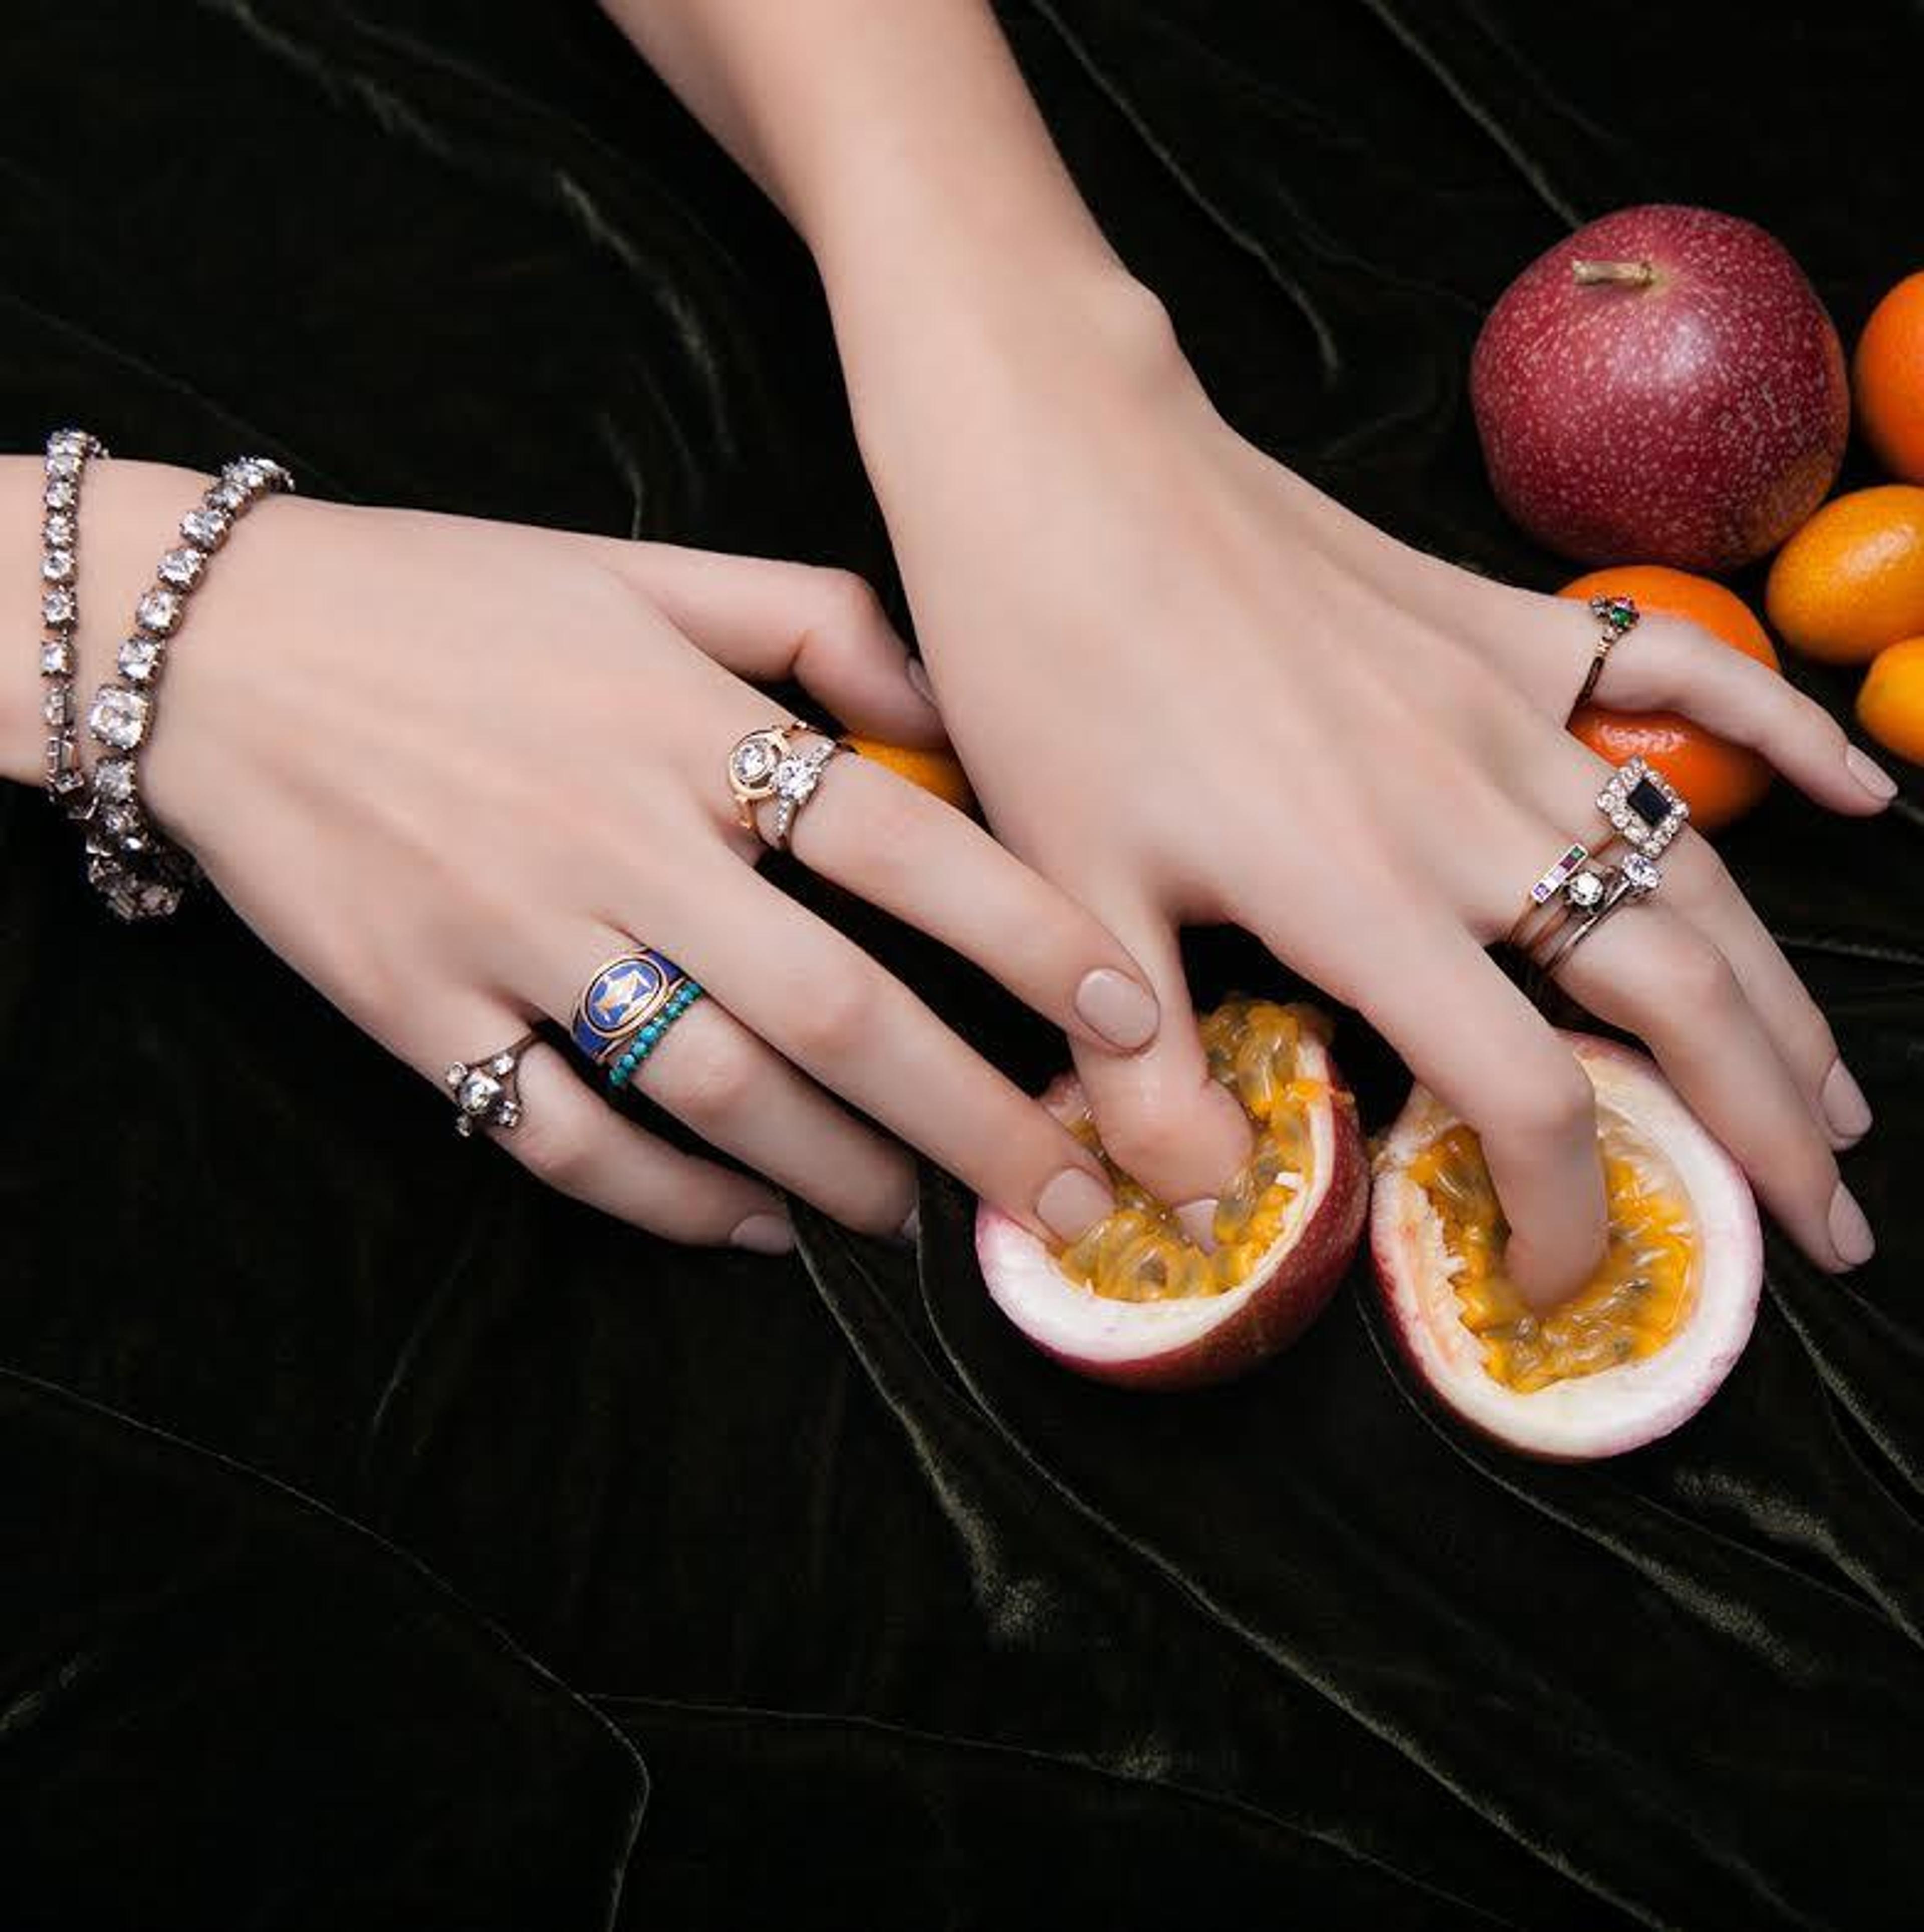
<point x="141" y="873"/>
<point x="67" y="450"/>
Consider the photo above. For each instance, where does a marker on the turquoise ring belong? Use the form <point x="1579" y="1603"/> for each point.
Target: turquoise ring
<point x="622" y="997"/>
<point x="649" y="1037"/>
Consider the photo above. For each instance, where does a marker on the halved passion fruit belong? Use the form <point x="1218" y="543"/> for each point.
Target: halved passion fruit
<point x="1639" y="1349"/>
<point x="1134" y="1301"/>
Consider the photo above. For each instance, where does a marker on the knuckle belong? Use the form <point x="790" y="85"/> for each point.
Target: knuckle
<point x="552" y="1145"/>
<point x="1700" y="982"/>
<point x="833" y="1015"/>
<point x="1554" y="1103"/>
<point x="710" y="1083"/>
<point x="1145" y="1142"/>
<point x="849" y="605"/>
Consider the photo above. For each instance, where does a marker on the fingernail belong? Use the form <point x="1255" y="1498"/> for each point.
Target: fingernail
<point x="1073" y="1203"/>
<point x="764" y="1234"/>
<point x="912" y="1228"/>
<point x="1844" y="1105"/>
<point x="1197" y="1219"/>
<point x="1125" y="1013"/>
<point x="918" y="677"/>
<point x="1870" y="774"/>
<point x="1850" y="1233"/>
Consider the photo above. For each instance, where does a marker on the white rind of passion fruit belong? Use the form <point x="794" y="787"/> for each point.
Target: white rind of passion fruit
<point x="1190" y="1342"/>
<point x="1610" y="1409"/>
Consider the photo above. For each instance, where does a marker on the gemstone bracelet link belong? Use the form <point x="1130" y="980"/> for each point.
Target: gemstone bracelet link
<point x="67" y="450"/>
<point x="141" y="873"/>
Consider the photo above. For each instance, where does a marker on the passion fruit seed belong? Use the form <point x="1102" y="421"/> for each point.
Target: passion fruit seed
<point x="1633" y="1304"/>
<point x="1139" y="1252"/>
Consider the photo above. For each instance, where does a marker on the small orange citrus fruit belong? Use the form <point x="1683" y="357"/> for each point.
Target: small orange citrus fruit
<point x="1721" y="781"/>
<point x="1887" y="380"/>
<point x="1890" y="706"/>
<point x="940" y="773"/>
<point x="1851" y="581"/>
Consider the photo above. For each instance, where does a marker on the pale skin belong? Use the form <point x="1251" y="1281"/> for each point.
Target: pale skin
<point x="1103" y="576"/>
<point x="446" y="768"/>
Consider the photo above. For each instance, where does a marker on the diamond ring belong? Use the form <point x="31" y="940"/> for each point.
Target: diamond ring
<point x="1593" y="896"/>
<point x="766" y="765"/>
<point x="485" y="1092"/>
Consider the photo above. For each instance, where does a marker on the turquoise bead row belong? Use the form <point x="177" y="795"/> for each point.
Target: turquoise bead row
<point x="649" y="1037"/>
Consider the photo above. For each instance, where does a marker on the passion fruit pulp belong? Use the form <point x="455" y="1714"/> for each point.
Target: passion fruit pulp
<point x="1643" y="1345"/>
<point x="1134" y="1301"/>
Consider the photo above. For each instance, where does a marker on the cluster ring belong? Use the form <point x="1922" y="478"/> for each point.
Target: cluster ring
<point x="765" y="764"/>
<point x="487" y="1092"/>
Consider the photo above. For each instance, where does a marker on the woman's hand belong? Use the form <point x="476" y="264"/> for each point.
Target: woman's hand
<point x="1189" y="687"/>
<point x="447" y="768"/>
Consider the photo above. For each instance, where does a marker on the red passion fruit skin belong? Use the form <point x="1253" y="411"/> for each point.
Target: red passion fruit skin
<point x="1616" y="1409"/>
<point x="1193" y="1342"/>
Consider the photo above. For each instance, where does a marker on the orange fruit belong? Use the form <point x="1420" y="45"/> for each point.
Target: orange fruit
<point x="1890" y="706"/>
<point x="1720" y="780"/>
<point x="1887" y="380"/>
<point x="938" y="772"/>
<point x="1851" y="581"/>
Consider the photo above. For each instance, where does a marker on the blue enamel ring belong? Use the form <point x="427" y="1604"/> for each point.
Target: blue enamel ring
<point x="622" y="997"/>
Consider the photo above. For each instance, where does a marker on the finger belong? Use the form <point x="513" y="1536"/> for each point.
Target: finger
<point x="824" y="1004"/>
<point x="925" y="862"/>
<point x="1667" y="663"/>
<point x="1472" y="1038"/>
<point x="714" y="1075"/>
<point x="568" y="1137"/>
<point x="1650" y="971"/>
<point x="767" y="620"/>
<point x="1563" y="785"/>
<point x="1163" y="1120"/>
<point x="1697" y="882"/>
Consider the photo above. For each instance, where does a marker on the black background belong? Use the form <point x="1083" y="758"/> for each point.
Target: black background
<point x="383" y="1541"/>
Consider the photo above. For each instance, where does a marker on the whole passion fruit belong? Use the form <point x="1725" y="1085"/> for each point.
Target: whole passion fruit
<point x="1643" y="1345"/>
<point x="1136" y="1303"/>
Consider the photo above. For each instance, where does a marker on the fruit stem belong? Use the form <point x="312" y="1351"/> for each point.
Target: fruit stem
<point x="1642" y="273"/>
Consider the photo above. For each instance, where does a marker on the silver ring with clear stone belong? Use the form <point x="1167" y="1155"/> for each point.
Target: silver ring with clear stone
<point x="1593" y="895"/>
<point x="487" y="1092"/>
<point x="766" y="765"/>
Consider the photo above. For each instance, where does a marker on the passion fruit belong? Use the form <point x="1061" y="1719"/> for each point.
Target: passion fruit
<point x="1636" y="1351"/>
<point x="1134" y="1301"/>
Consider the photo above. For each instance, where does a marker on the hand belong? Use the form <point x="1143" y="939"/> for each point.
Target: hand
<point x="1188" y="686"/>
<point x="447" y="768"/>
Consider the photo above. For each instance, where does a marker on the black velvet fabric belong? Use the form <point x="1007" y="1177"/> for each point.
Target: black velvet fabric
<point x="387" y="1542"/>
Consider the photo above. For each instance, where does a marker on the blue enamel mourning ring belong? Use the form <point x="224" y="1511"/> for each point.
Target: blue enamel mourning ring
<point x="622" y="998"/>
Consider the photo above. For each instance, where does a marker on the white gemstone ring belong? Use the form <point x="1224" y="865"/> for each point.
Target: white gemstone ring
<point x="766" y="765"/>
<point x="1628" y="883"/>
<point x="485" y="1092"/>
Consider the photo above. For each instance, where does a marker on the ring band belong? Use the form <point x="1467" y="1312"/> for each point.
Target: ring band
<point x="1628" y="883"/>
<point x="647" y="1038"/>
<point x="487" y="1092"/>
<point x="766" y="765"/>
<point x="620" y="997"/>
<point x="1618" y="615"/>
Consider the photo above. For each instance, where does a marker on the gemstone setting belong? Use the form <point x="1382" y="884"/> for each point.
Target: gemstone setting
<point x="1643" y="806"/>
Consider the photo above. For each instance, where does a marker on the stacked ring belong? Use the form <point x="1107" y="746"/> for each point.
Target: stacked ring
<point x="620" y="999"/>
<point x="766" y="765"/>
<point x="1628" y="883"/>
<point x="649" y="1037"/>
